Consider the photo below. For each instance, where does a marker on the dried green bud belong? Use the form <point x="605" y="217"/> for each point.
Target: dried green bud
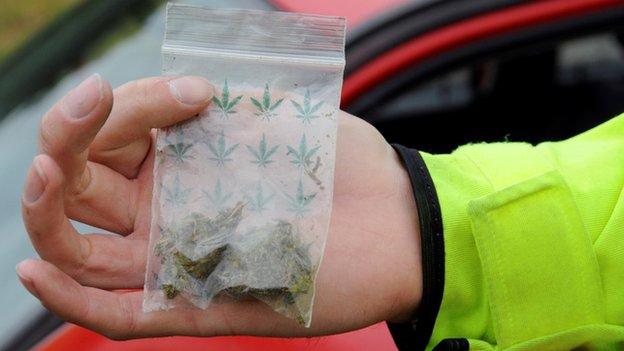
<point x="300" y="320"/>
<point x="203" y="267"/>
<point x="170" y="291"/>
<point x="191" y="249"/>
<point x="273" y="265"/>
<point x="240" y="292"/>
<point x="270" y="292"/>
<point x="269" y="263"/>
<point x="301" y="284"/>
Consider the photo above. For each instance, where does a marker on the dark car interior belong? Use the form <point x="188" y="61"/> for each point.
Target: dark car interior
<point x="530" y="85"/>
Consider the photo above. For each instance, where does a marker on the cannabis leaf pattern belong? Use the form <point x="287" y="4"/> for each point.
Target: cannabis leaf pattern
<point x="220" y="151"/>
<point x="217" y="198"/>
<point x="266" y="107"/>
<point x="263" y="153"/>
<point x="299" y="202"/>
<point x="225" y="105"/>
<point x="178" y="149"/>
<point x="302" y="156"/>
<point x="176" y="194"/>
<point x="306" y="112"/>
<point x="259" y="200"/>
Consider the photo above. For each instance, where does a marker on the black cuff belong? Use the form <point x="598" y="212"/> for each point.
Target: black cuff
<point x="415" y="334"/>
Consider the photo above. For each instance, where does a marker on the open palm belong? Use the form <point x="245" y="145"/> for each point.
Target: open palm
<point x="96" y="167"/>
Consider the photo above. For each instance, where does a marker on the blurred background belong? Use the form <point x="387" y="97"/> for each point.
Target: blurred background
<point x="43" y="53"/>
<point x="431" y="74"/>
<point x="46" y="48"/>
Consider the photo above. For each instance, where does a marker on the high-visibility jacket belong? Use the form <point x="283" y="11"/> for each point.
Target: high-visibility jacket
<point x="528" y="253"/>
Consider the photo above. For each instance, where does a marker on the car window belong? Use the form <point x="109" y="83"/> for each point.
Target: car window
<point x="597" y="58"/>
<point x="548" y="92"/>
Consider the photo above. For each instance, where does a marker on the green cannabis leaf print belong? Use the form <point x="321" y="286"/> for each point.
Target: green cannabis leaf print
<point x="263" y="153"/>
<point x="299" y="202"/>
<point x="178" y="149"/>
<point x="225" y="105"/>
<point x="217" y="198"/>
<point x="176" y="194"/>
<point x="307" y="111"/>
<point x="302" y="156"/>
<point x="259" y="200"/>
<point x="266" y="108"/>
<point x="220" y="151"/>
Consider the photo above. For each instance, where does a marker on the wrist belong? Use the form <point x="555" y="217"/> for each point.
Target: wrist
<point x="409" y="288"/>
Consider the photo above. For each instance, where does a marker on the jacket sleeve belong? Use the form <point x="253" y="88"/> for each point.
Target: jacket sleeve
<point x="530" y="251"/>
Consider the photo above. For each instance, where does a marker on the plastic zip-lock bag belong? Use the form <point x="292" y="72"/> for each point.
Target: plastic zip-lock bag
<point x="243" y="193"/>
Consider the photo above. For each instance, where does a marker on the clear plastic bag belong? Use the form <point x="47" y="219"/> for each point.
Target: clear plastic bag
<point x="243" y="193"/>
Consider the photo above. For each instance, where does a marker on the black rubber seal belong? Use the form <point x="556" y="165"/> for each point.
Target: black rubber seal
<point x="543" y="35"/>
<point x="399" y="25"/>
<point x="415" y="334"/>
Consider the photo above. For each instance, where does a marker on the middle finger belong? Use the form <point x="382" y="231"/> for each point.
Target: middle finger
<point x="97" y="259"/>
<point x="95" y="194"/>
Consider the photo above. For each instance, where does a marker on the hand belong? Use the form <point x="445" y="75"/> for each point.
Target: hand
<point x="95" y="167"/>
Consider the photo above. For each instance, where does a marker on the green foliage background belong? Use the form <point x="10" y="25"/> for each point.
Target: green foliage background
<point x="20" y="19"/>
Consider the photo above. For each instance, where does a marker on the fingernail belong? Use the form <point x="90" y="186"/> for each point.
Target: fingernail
<point x="21" y="270"/>
<point x="35" y="182"/>
<point x="191" y="90"/>
<point x="79" y="102"/>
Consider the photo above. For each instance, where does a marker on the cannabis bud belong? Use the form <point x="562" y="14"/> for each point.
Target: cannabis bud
<point x="195" y="246"/>
<point x="203" y="266"/>
<point x="268" y="262"/>
<point x="272" y="265"/>
<point x="170" y="290"/>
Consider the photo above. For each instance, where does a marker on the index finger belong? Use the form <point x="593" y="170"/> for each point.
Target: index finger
<point x="124" y="140"/>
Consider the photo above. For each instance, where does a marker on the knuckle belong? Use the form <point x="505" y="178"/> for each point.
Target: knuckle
<point x="48" y="140"/>
<point x="79" y="265"/>
<point x="56" y="134"/>
<point x="145" y="92"/>
<point x="78" y="186"/>
<point x="141" y="88"/>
